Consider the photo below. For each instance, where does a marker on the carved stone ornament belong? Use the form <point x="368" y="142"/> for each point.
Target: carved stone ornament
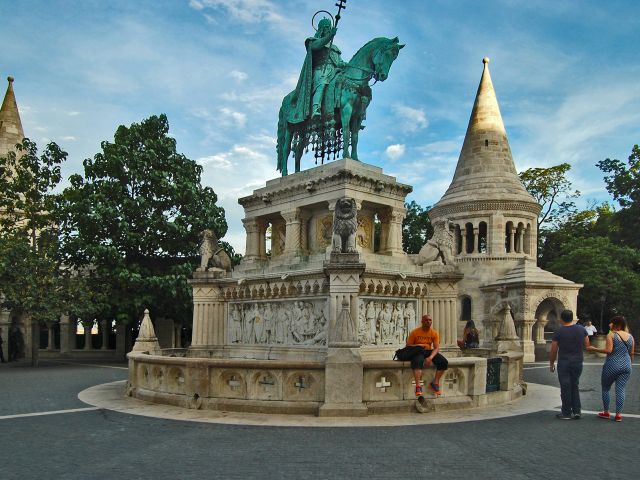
<point x="297" y="322"/>
<point x="345" y="226"/>
<point x="385" y="321"/>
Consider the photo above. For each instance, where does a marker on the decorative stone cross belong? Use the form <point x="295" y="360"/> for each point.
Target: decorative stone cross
<point x="267" y="383"/>
<point x="383" y="384"/>
<point x="451" y="380"/>
<point x="301" y="384"/>
<point x="234" y="383"/>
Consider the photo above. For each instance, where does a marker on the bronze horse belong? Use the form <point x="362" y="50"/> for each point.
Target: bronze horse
<point x="344" y="107"/>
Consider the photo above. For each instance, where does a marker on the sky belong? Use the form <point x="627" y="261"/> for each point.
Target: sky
<point x="566" y="74"/>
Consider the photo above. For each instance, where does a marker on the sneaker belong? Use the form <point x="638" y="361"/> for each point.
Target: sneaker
<point x="560" y="416"/>
<point x="618" y="418"/>
<point x="604" y="415"/>
<point x="435" y="387"/>
<point x="577" y="416"/>
<point x="418" y="391"/>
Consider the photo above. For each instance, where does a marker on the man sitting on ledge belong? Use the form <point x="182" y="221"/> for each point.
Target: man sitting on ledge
<point x="429" y="340"/>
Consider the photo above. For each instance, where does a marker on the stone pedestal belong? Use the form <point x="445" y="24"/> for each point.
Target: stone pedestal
<point x="343" y="384"/>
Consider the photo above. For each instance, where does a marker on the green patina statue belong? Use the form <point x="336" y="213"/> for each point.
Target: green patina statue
<point x="326" y="110"/>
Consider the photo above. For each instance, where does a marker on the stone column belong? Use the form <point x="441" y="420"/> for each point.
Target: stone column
<point x="463" y="232"/>
<point x="521" y="241"/>
<point x="65" y="335"/>
<point x="344" y="363"/>
<point x="121" y="340"/>
<point x="209" y="317"/>
<point x="392" y="223"/>
<point x="106" y="329"/>
<point x="51" y="341"/>
<point x="512" y="235"/>
<point x="476" y="240"/>
<point x="528" y="346"/>
<point x="88" y="325"/>
<point x="252" y="227"/>
<point x="5" y="326"/>
<point x="292" y="232"/>
<point x="304" y="232"/>
<point x="177" y="335"/>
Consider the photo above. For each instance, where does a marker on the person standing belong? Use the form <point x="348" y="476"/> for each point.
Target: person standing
<point x="620" y="349"/>
<point x="429" y="340"/>
<point x="591" y="329"/>
<point x="566" y="346"/>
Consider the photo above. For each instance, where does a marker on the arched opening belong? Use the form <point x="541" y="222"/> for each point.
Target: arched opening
<point x="470" y="244"/>
<point x="458" y="237"/>
<point x="482" y="237"/>
<point x="465" y="309"/>
<point x="509" y="235"/>
<point x="547" y="321"/>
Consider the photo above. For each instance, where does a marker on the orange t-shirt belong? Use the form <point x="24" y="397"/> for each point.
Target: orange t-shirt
<point x="425" y="339"/>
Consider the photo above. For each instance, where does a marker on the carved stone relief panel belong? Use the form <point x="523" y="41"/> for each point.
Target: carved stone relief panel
<point x="385" y="321"/>
<point x="294" y="322"/>
<point x="364" y="234"/>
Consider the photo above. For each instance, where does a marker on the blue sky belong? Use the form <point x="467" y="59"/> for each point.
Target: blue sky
<point x="566" y="74"/>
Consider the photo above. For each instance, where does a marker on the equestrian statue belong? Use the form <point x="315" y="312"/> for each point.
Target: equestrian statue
<point x="326" y="110"/>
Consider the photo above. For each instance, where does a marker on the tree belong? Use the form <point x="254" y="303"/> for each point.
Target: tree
<point x="32" y="277"/>
<point x="623" y="182"/>
<point x="551" y="188"/>
<point x="135" y="218"/>
<point x="416" y="227"/>
<point x="610" y="274"/>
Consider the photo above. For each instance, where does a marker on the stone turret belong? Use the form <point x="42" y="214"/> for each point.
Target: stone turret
<point x="492" y="212"/>
<point x="10" y="125"/>
<point x="494" y="222"/>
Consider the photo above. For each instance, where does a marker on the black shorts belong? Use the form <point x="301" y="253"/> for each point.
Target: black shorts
<point x="417" y="362"/>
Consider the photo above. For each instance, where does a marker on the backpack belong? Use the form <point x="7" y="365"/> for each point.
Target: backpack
<point x="407" y="353"/>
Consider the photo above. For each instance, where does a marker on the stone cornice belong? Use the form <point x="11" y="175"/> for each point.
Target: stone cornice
<point x="484" y="205"/>
<point x="314" y="186"/>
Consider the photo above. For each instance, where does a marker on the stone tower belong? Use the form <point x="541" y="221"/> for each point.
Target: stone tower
<point x="10" y="125"/>
<point x="494" y="220"/>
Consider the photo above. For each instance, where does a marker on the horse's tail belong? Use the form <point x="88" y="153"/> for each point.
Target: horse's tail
<point x="282" y="128"/>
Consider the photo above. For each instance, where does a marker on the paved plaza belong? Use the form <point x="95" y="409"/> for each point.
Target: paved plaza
<point x="47" y="432"/>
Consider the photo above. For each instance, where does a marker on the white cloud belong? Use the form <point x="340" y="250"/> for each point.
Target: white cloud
<point x="412" y="119"/>
<point x="233" y="118"/>
<point x="68" y="138"/>
<point x="238" y="75"/>
<point x="73" y="113"/>
<point x="395" y="151"/>
<point x="244" y="11"/>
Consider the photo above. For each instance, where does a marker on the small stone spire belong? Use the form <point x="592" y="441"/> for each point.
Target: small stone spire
<point x="10" y="125"/>
<point x="147" y="340"/>
<point x="485" y="169"/>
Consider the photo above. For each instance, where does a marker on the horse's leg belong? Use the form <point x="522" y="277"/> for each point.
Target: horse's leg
<point x="356" y="120"/>
<point x="345" y="117"/>
<point x="286" y="151"/>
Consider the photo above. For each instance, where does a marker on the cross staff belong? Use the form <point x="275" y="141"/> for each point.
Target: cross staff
<point x="341" y="6"/>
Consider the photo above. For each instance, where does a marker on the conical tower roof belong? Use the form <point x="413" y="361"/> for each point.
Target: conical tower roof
<point x="485" y="170"/>
<point x="10" y="125"/>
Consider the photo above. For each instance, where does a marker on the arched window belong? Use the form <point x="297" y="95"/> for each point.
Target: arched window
<point x="465" y="309"/>
<point x="482" y="240"/>
<point x="469" y="237"/>
<point x="509" y="236"/>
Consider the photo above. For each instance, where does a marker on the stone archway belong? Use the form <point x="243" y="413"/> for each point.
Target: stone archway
<point x="547" y="315"/>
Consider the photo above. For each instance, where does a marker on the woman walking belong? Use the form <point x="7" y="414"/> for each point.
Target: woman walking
<point x="617" y="367"/>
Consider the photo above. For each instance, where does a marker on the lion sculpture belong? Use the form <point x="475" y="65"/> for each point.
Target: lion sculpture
<point x="211" y="254"/>
<point x="345" y="225"/>
<point x="439" y="248"/>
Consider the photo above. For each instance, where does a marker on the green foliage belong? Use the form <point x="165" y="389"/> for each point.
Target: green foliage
<point x="623" y="181"/>
<point x="32" y="277"/>
<point x="551" y="188"/>
<point x="135" y="219"/>
<point x="610" y="274"/>
<point x="416" y="227"/>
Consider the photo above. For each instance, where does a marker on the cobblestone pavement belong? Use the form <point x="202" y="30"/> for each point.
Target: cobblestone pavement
<point x="102" y="444"/>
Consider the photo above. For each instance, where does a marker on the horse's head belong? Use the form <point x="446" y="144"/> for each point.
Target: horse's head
<point x="384" y="57"/>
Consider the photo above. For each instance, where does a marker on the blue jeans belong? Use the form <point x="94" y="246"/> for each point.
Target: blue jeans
<point x="569" y="378"/>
